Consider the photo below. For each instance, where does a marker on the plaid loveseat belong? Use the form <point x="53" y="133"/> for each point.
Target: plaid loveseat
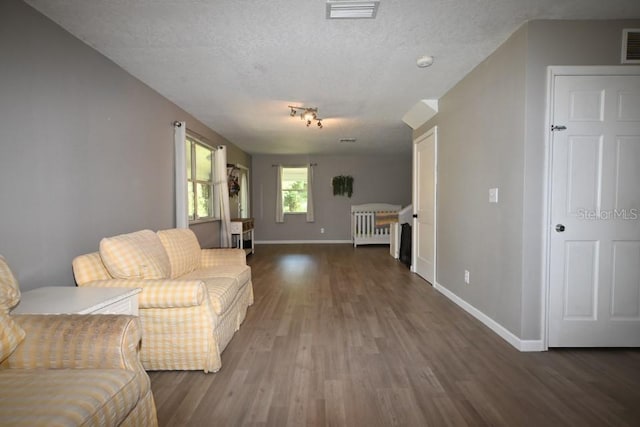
<point x="192" y="302"/>
<point x="70" y="370"/>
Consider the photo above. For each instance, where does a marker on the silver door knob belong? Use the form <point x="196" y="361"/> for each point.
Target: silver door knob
<point x="559" y="228"/>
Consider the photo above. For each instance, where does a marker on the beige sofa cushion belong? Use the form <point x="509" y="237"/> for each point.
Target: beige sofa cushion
<point x="138" y="255"/>
<point x="240" y="273"/>
<point x="223" y="283"/>
<point x="183" y="249"/>
<point x="222" y="293"/>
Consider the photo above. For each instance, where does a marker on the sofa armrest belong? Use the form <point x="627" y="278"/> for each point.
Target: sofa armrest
<point x="160" y="293"/>
<point x="77" y="341"/>
<point x="215" y="257"/>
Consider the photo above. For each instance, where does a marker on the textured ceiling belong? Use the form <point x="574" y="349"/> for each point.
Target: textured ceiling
<point x="237" y="64"/>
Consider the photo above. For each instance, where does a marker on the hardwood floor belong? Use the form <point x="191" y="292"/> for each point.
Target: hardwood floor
<point x="349" y="337"/>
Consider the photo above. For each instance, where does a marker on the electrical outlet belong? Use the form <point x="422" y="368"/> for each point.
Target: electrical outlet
<point x="466" y="277"/>
<point x="322" y="230"/>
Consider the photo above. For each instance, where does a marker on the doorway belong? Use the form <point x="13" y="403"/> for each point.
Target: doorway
<point x="593" y="237"/>
<point x="425" y="151"/>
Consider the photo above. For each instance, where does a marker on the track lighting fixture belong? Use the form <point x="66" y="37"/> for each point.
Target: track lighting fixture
<point x="308" y="114"/>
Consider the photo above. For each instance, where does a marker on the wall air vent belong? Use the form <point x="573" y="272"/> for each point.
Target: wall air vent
<point x="347" y="140"/>
<point x="631" y="46"/>
<point x="350" y="9"/>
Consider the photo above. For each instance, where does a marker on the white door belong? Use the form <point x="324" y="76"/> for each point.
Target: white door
<point x="594" y="267"/>
<point x="424" y="206"/>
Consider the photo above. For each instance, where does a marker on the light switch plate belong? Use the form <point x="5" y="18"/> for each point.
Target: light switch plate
<point x="493" y="195"/>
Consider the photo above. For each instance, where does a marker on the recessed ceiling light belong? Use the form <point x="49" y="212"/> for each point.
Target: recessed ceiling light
<point x="424" y="61"/>
<point x="341" y="9"/>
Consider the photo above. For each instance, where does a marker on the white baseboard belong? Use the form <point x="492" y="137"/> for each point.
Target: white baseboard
<point x="293" y="242"/>
<point x="531" y="345"/>
<point x="520" y="344"/>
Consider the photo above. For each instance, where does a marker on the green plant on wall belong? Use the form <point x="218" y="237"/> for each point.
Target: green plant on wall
<point x="342" y="185"/>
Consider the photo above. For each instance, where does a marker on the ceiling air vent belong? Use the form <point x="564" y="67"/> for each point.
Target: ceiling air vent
<point x="349" y="9"/>
<point x="347" y="140"/>
<point x="631" y="46"/>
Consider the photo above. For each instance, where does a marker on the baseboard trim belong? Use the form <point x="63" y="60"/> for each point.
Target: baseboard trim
<point x="293" y="242"/>
<point x="501" y="331"/>
<point x="531" y="345"/>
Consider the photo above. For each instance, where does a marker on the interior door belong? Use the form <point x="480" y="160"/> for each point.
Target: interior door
<point x="594" y="289"/>
<point x="424" y="206"/>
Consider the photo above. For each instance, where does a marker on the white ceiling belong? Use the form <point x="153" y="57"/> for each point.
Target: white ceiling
<point x="237" y="64"/>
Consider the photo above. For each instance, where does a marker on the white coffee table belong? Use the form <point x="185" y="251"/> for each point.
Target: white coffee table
<point x="74" y="300"/>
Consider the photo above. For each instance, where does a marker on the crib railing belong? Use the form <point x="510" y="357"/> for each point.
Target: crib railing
<point x="366" y="225"/>
<point x="364" y="228"/>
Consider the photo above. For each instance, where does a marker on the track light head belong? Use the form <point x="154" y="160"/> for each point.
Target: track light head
<point x="307" y="114"/>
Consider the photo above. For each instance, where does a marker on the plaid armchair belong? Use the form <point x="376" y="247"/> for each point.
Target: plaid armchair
<point x="70" y="370"/>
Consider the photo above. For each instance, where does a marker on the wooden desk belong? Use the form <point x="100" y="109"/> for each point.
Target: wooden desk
<point x="241" y="228"/>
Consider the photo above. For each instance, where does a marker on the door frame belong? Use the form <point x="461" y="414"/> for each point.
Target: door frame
<point x="432" y="131"/>
<point x="552" y="73"/>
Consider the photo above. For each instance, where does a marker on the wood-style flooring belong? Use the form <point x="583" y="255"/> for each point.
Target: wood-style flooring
<point x="349" y="337"/>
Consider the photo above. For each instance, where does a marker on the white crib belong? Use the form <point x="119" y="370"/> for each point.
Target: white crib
<point x="365" y="230"/>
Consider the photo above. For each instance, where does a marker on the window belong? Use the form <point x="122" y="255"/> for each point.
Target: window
<point x="294" y="190"/>
<point x="200" y="180"/>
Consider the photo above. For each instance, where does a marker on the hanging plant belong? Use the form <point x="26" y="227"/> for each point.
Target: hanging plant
<point x="342" y="185"/>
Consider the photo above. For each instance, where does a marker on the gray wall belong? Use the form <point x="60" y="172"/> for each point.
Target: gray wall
<point x="86" y="150"/>
<point x="481" y="124"/>
<point x="491" y="133"/>
<point x="553" y="43"/>
<point x="383" y="179"/>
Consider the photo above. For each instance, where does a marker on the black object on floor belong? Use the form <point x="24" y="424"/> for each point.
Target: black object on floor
<point x="405" y="244"/>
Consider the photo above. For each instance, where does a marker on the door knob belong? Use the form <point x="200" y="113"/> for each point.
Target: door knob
<point x="559" y="228"/>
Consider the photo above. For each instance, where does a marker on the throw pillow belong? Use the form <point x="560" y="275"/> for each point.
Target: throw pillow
<point x="183" y="249"/>
<point x="138" y="255"/>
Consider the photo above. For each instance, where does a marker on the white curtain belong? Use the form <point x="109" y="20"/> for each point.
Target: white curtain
<point x="221" y="193"/>
<point x="279" y="209"/>
<point x="244" y="194"/>
<point x="182" y="200"/>
<point x="310" y="217"/>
